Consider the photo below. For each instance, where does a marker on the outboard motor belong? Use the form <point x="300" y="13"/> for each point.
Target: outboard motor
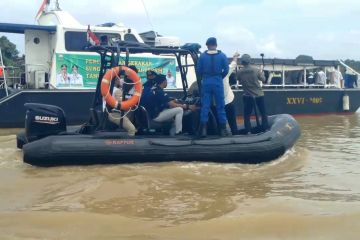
<point x="43" y="120"/>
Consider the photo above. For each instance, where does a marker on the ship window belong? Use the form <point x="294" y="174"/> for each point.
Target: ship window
<point x="77" y="41"/>
<point x="130" y="37"/>
<point x="36" y="40"/>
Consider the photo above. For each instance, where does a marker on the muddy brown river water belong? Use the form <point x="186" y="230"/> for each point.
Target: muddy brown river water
<point x="313" y="192"/>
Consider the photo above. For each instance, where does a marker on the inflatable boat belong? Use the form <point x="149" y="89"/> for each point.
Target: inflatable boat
<point x="47" y="141"/>
<point x="72" y="148"/>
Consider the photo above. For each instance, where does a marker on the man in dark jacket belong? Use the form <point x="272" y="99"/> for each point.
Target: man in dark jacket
<point x="162" y="108"/>
<point x="147" y="86"/>
<point x="212" y="68"/>
<point x="250" y="78"/>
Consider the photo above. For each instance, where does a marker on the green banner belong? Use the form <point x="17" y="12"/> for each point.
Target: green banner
<point x="82" y="71"/>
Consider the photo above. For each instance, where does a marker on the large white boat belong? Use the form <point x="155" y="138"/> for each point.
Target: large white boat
<point x="60" y="70"/>
<point x="59" y="65"/>
<point x="60" y="40"/>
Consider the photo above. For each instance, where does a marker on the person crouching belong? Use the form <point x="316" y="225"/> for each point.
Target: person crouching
<point x="115" y="117"/>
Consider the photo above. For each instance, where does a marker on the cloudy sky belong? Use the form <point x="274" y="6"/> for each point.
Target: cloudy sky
<point x="324" y="29"/>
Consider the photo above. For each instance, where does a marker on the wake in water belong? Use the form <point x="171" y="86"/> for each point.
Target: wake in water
<point x="301" y="195"/>
<point x="10" y="156"/>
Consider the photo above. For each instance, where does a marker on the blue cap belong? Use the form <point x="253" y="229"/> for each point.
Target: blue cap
<point x="211" y="41"/>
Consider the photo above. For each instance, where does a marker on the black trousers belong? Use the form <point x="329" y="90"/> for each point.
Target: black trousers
<point x="249" y="106"/>
<point x="231" y="117"/>
<point x="191" y="122"/>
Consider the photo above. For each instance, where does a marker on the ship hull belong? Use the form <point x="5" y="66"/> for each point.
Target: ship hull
<point x="76" y="103"/>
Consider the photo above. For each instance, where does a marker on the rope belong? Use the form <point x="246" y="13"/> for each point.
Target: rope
<point x="115" y="110"/>
<point x="148" y="17"/>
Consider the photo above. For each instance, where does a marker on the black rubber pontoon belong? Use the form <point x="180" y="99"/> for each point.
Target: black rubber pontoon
<point x="116" y="148"/>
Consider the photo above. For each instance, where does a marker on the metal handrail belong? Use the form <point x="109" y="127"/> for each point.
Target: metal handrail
<point x="4" y="74"/>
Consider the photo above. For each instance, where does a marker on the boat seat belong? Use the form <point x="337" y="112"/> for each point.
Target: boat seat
<point x="94" y="116"/>
<point x="99" y="119"/>
<point x="145" y="125"/>
<point x="94" y="122"/>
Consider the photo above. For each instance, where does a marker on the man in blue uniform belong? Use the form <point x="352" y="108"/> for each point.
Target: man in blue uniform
<point x="212" y="68"/>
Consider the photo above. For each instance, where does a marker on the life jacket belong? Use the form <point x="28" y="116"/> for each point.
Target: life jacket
<point x="277" y="75"/>
<point x="211" y="70"/>
<point x="276" y="78"/>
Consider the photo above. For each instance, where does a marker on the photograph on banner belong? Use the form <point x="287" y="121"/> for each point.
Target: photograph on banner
<point x="77" y="71"/>
<point x="159" y="64"/>
<point x="82" y="71"/>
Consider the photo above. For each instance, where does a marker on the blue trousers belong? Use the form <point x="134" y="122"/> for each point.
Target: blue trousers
<point x="212" y="87"/>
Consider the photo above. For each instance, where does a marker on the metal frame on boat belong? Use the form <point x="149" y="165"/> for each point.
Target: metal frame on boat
<point x="46" y="126"/>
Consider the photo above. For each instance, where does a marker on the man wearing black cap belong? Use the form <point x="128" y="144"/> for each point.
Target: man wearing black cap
<point x="162" y="108"/>
<point x="147" y="86"/>
<point x="250" y="77"/>
<point x="212" y="67"/>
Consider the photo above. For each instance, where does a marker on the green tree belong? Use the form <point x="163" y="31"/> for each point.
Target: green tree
<point x="9" y="52"/>
<point x="353" y="64"/>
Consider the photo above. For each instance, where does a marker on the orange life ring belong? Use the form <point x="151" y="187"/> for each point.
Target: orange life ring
<point x="1" y="72"/>
<point x="105" y="88"/>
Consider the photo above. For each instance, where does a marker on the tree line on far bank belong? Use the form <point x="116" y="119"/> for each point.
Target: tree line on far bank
<point x="11" y="56"/>
<point x="353" y="64"/>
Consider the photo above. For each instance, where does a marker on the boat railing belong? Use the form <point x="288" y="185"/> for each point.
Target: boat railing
<point x="3" y="85"/>
<point x="299" y="86"/>
<point x="13" y="76"/>
<point x="291" y="86"/>
<point x="31" y="81"/>
<point x="3" y="81"/>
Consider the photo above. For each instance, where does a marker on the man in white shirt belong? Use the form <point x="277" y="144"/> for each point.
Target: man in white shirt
<point x="338" y="79"/>
<point x="320" y="77"/>
<point x="229" y="97"/>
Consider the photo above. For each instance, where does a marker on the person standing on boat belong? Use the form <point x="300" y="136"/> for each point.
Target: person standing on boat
<point x="350" y="79"/>
<point x="320" y="78"/>
<point x="212" y="68"/>
<point x="249" y="78"/>
<point x="229" y="97"/>
<point x="336" y="78"/>
<point x="75" y="78"/>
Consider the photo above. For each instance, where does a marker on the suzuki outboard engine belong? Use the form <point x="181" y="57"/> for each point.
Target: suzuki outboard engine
<point x="43" y="120"/>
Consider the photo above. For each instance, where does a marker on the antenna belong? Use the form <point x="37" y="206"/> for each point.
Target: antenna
<point x="263" y="62"/>
<point x="57" y="5"/>
<point x="148" y="17"/>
